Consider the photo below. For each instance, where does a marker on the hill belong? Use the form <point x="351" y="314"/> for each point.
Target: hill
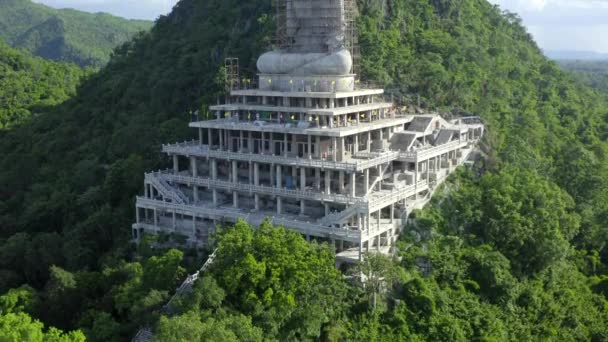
<point x="31" y="84"/>
<point x="516" y="247"/>
<point x="592" y="73"/>
<point x="576" y="55"/>
<point x="66" y="35"/>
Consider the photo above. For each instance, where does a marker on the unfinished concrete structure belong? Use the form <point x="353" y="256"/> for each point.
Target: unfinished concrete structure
<point x="308" y="149"/>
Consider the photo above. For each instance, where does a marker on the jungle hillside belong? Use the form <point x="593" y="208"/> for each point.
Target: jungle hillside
<point x="66" y="35"/>
<point x="513" y="248"/>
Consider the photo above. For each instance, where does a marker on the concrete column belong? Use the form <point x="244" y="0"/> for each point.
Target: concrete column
<point x="250" y="141"/>
<point x="210" y="138"/>
<point x="235" y="199"/>
<point x="214" y="169"/>
<point x="317" y="179"/>
<point x="327" y="182"/>
<point x="353" y="185"/>
<point x="303" y="179"/>
<point x="334" y="148"/>
<point x="200" y="136"/>
<point x="326" y="209"/>
<point x="378" y="220"/>
<point x="173" y="225"/>
<point x="137" y="214"/>
<point x="256" y="174"/>
<point x="356" y="144"/>
<point x="195" y="193"/>
<point x="359" y="222"/>
<point x="279" y="205"/>
<point x="279" y="183"/>
<point x="309" y="154"/>
<point x="155" y="218"/>
<point x="193" y="167"/>
<point x="294" y="144"/>
<point x="263" y="145"/>
<point x="393" y="213"/>
<point x="369" y="141"/>
<point x="318" y="147"/>
<point x="240" y="141"/>
<point x="147" y="191"/>
<point x="271" y="138"/>
<point x="341" y="181"/>
<point x="284" y="153"/>
<point x="175" y="164"/>
<point x="366" y="181"/>
<point x="221" y="133"/>
<point x="235" y="172"/>
<point x="341" y="149"/>
<point x="256" y="200"/>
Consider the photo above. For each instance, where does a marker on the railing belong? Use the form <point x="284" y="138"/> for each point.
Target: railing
<point x="261" y="189"/>
<point x="305" y="227"/>
<point x="165" y="189"/>
<point x="194" y="148"/>
<point x="432" y="151"/>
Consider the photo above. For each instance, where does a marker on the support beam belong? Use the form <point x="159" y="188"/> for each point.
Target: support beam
<point x="175" y="164"/>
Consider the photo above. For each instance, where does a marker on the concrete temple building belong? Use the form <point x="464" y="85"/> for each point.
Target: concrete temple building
<point x="309" y="149"/>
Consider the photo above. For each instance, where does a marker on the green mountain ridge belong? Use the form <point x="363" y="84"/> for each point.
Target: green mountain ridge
<point x="517" y="245"/>
<point x="67" y="35"/>
<point x="31" y="84"/>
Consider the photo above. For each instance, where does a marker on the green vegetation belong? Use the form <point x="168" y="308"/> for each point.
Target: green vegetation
<point x="65" y="35"/>
<point x="31" y="85"/>
<point x="516" y="247"/>
<point x="592" y="73"/>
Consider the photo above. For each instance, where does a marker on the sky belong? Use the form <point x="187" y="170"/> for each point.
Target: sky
<point x="577" y="25"/>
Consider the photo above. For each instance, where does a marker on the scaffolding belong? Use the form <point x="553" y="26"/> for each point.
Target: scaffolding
<point x="351" y="37"/>
<point x="232" y="80"/>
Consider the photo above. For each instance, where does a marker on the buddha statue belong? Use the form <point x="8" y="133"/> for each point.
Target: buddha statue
<point x="315" y="31"/>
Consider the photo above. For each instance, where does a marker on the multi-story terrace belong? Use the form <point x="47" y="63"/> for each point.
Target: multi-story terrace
<point x="311" y="152"/>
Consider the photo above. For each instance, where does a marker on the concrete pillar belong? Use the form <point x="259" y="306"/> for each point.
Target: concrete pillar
<point x="326" y="209"/>
<point x="353" y="185"/>
<point x="279" y="205"/>
<point x="393" y="213"/>
<point x="155" y="218"/>
<point x="256" y="174"/>
<point x="294" y="144"/>
<point x="317" y="179"/>
<point x="256" y="200"/>
<point x="356" y="144"/>
<point x="366" y="181"/>
<point x="302" y="207"/>
<point x="195" y="193"/>
<point x="262" y="144"/>
<point x="378" y="220"/>
<point x="214" y="169"/>
<point x="193" y="167"/>
<point x="221" y="133"/>
<point x="369" y="141"/>
<point x="271" y="139"/>
<point x="173" y="225"/>
<point x="309" y="154"/>
<point x="175" y="164"/>
<point x="250" y="141"/>
<point x="240" y="141"/>
<point x="279" y="183"/>
<point x="318" y="147"/>
<point x="284" y="152"/>
<point x="235" y="172"/>
<point x="341" y="149"/>
<point x="210" y="138"/>
<point x="341" y="181"/>
<point x="303" y="178"/>
<point x="334" y="149"/>
<point x="235" y="199"/>
<point x="200" y="136"/>
<point x="327" y="182"/>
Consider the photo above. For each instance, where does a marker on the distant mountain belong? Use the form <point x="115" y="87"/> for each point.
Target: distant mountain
<point x="29" y="85"/>
<point x="68" y="35"/>
<point x="576" y="55"/>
